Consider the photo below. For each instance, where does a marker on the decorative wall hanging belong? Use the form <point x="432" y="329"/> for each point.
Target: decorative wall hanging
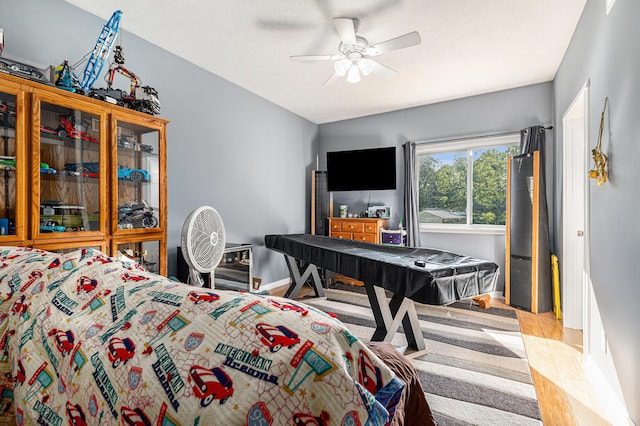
<point x="600" y="171"/>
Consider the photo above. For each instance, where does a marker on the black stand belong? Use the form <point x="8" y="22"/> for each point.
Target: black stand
<point x="388" y="316"/>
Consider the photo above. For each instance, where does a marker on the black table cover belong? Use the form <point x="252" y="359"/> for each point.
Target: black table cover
<point x="445" y="278"/>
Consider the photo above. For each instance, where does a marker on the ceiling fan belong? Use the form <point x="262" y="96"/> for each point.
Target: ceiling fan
<point x="355" y="54"/>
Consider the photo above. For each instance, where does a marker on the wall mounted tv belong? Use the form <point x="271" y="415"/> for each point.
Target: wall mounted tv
<point x="361" y="170"/>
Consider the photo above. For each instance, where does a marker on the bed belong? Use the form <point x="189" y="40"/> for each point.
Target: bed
<point x="423" y="275"/>
<point x="89" y="339"/>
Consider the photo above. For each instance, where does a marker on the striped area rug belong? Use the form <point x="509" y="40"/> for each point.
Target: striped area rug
<point x="474" y="370"/>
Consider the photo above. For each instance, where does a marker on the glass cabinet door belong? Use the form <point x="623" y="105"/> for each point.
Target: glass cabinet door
<point x="9" y="148"/>
<point x="138" y="177"/>
<point x="70" y="174"/>
<point x="145" y="253"/>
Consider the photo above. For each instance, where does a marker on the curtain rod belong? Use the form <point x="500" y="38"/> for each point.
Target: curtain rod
<point x="493" y="135"/>
<point x="542" y="129"/>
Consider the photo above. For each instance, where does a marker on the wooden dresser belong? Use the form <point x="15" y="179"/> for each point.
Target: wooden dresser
<point x="358" y="228"/>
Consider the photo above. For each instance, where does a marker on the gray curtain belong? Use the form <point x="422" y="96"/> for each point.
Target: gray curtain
<point x="411" y="221"/>
<point x="533" y="139"/>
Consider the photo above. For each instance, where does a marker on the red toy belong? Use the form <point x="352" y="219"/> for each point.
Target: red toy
<point x="210" y="384"/>
<point x="121" y="350"/>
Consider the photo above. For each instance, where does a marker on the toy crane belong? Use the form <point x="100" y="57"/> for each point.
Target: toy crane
<point x="66" y="79"/>
<point x="135" y="81"/>
<point x="101" y="51"/>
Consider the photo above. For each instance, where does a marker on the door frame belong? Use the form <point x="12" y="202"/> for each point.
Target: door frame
<point x="578" y="149"/>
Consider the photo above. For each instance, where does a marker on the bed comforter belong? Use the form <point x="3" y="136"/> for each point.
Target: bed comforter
<point x="88" y="339"/>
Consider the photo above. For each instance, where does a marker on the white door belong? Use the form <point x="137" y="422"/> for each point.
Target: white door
<point x="574" y="268"/>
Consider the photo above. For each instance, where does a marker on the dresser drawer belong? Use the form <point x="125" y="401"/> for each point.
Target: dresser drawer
<point x="343" y="235"/>
<point x="368" y="238"/>
<point x="352" y="226"/>
<point x="371" y="228"/>
<point x="334" y="226"/>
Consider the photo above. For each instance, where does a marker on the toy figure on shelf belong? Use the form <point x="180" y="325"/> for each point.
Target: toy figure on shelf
<point x="7" y="114"/>
<point x="69" y="127"/>
<point x="65" y="79"/>
<point x="140" y="98"/>
<point x="136" y="215"/>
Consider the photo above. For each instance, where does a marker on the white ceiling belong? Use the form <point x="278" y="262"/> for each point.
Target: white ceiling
<point x="468" y="47"/>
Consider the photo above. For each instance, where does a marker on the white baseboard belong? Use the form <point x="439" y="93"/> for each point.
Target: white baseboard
<point x="275" y="284"/>
<point x="615" y="408"/>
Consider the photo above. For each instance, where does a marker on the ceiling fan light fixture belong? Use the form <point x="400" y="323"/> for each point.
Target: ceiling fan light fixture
<point x="352" y="60"/>
<point x="366" y="66"/>
<point x="341" y="66"/>
<point x="353" y="75"/>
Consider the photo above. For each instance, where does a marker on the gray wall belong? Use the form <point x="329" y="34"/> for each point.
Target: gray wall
<point x="604" y="50"/>
<point x="227" y="148"/>
<point x="494" y="113"/>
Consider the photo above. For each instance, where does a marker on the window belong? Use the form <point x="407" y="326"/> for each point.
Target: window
<point x="464" y="183"/>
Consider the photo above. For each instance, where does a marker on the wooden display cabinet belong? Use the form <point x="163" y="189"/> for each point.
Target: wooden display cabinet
<point x="13" y="173"/>
<point x="95" y="172"/>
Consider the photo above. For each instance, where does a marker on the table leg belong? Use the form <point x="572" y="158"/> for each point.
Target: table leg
<point x="389" y="316"/>
<point x="300" y="279"/>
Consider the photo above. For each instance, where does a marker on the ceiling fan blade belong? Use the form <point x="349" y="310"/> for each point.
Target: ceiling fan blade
<point x="407" y="40"/>
<point x="346" y="30"/>
<point x="312" y="58"/>
<point x="382" y="71"/>
<point x="331" y="79"/>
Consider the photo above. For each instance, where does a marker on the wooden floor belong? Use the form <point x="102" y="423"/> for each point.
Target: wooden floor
<point x="555" y="360"/>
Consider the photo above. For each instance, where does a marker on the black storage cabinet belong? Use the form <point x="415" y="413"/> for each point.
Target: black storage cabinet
<point x="528" y="256"/>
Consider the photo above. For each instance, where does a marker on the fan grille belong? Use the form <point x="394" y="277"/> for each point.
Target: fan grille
<point x="203" y="237"/>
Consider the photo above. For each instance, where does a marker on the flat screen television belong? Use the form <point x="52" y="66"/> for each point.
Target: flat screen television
<point x="362" y="169"/>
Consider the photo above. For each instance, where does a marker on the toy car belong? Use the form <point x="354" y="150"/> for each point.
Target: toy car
<point x="201" y="297"/>
<point x="64" y="340"/>
<point x="135" y="175"/>
<point x="76" y="415"/>
<point x="284" y="306"/>
<point x="51" y="226"/>
<point x="48" y="130"/>
<point x="130" y="142"/>
<point x="136" y="215"/>
<point x="44" y="168"/>
<point x="210" y="384"/>
<point x="135" y="417"/>
<point x="275" y="337"/>
<point x="84" y="169"/>
<point x="368" y="375"/>
<point x="303" y="419"/>
<point x="87" y="284"/>
<point x="7" y="162"/>
<point x="121" y="350"/>
<point x="67" y="126"/>
<point x="92" y="169"/>
<point x="19" y="307"/>
<point x="7" y="112"/>
<point x="74" y="218"/>
<point x="22" y="70"/>
<point x="127" y="277"/>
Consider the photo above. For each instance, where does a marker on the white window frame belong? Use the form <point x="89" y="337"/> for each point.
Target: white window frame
<point x="468" y="144"/>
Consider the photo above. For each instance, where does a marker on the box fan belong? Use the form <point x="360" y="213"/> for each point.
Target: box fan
<point x="203" y="242"/>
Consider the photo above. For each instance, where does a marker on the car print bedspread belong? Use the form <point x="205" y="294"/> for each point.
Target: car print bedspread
<point x="88" y="339"/>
